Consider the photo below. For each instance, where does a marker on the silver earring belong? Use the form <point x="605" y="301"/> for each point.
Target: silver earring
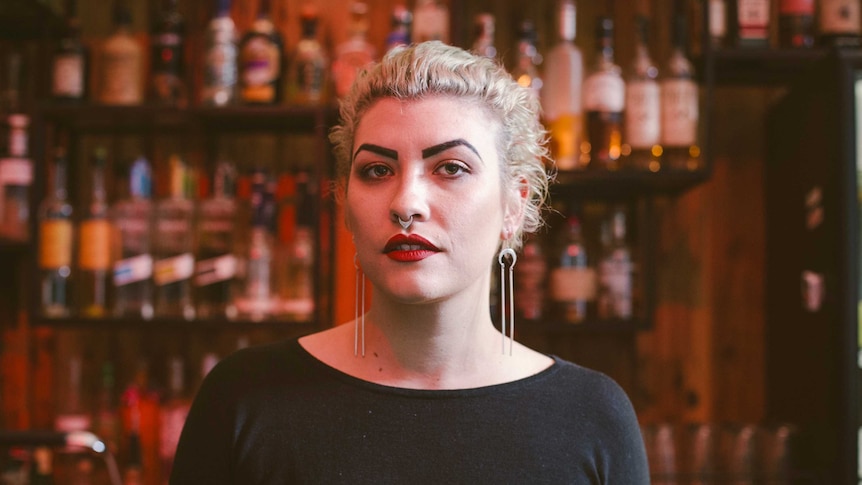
<point x="359" y="303"/>
<point x="501" y="258"/>
<point x="404" y="224"/>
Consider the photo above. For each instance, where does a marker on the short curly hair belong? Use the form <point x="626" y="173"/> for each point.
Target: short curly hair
<point x="434" y="68"/>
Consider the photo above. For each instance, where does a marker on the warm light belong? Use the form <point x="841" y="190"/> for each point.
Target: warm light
<point x="654" y="166"/>
<point x="657" y="151"/>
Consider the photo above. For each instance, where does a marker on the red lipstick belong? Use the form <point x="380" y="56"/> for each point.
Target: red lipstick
<point x="409" y="248"/>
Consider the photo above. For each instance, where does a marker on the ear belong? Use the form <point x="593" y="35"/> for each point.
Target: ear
<point x="515" y="202"/>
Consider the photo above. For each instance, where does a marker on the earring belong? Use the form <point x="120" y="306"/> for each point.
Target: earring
<point x="501" y="258"/>
<point x="359" y="327"/>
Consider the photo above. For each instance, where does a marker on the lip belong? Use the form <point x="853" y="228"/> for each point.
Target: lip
<point x="409" y="248"/>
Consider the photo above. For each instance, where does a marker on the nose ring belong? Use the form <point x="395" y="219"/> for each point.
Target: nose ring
<point x="404" y="224"/>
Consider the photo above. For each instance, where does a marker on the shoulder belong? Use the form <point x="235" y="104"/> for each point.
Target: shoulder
<point x="256" y="365"/>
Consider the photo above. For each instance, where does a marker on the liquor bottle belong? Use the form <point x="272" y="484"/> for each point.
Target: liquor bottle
<point x="526" y="71"/>
<point x="430" y="21"/>
<point x="573" y="280"/>
<point x="840" y="23"/>
<point x="16" y="167"/>
<point x="55" y="243"/>
<point x="483" y="35"/>
<point x="172" y="416"/>
<point x="561" y="92"/>
<point x="796" y="23"/>
<point x="72" y="412"/>
<point x="752" y="23"/>
<point x="643" y="107"/>
<point x="167" y="81"/>
<point x="255" y="301"/>
<point x="216" y="261"/>
<point x="173" y="246"/>
<point x="679" y="107"/>
<point x="106" y="419"/>
<point x="604" y="102"/>
<point x="121" y="62"/>
<point x="717" y="23"/>
<point x="530" y="275"/>
<point x="401" y="22"/>
<point x="42" y="466"/>
<point x="295" y="274"/>
<point x="309" y="63"/>
<point x="355" y="53"/>
<point x="220" y="58"/>
<point x="69" y="65"/>
<point x="261" y="60"/>
<point x="139" y="415"/>
<point x="615" y="270"/>
<point x="133" y="266"/>
<point x="94" y="244"/>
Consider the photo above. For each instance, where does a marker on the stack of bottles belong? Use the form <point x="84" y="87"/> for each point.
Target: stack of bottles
<point x="178" y="257"/>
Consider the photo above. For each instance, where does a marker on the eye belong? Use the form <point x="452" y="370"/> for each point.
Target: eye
<point x="375" y="171"/>
<point x="452" y="168"/>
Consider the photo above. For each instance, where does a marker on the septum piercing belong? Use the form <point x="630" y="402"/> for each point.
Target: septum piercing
<point x="404" y="224"/>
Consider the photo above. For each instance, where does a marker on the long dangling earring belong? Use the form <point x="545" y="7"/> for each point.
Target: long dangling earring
<point x="501" y="258"/>
<point x="359" y="327"/>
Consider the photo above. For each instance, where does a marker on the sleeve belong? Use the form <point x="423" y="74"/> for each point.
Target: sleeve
<point x="204" y="450"/>
<point x="623" y="456"/>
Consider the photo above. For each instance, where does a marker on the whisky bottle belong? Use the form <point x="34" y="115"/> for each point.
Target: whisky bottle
<point x="216" y="262"/>
<point x="615" y="273"/>
<point x="256" y="299"/>
<point x="526" y="70"/>
<point x="840" y="23"/>
<point x="401" y="23"/>
<point x="94" y="244"/>
<point x="796" y="23"/>
<point x="679" y="107"/>
<point x="121" y="62"/>
<point x="55" y="243"/>
<point x="220" y="58"/>
<point x="261" y="60"/>
<point x="561" y="92"/>
<point x="309" y="64"/>
<point x="573" y="280"/>
<point x="173" y="246"/>
<point x="355" y="53"/>
<point x="16" y="167"/>
<point x="430" y="21"/>
<point x="167" y="81"/>
<point x="133" y="266"/>
<point x="483" y="35"/>
<point x="604" y="102"/>
<point x="69" y="64"/>
<point x="643" y="107"/>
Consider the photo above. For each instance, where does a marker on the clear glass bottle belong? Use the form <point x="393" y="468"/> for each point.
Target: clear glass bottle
<point x="561" y="92"/>
<point x="526" y="71"/>
<point x="173" y="246"/>
<point x="430" y="21"/>
<point x="261" y="60"/>
<point x="256" y="299"/>
<point x="604" y="101"/>
<point x="401" y="22"/>
<point x="220" y="58"/>
<point x="483" y="40"/>
<point x="643" y="108"/>
<point x="167" y="79"/>
<point x="133" y="266"/>
<point x="296" y="256"/>
<point x="216" y="262"/>
<point x="616" y="270"/>
<point x="121" y="62"/>
<point x="69" y="64"/>
<point x="680" y="112"/>
<point x="55" y="243"/>
<point x="94" y="244"/>
<point x="309" y="65"/>
<point x="355" y="53"/>
<point x="573" y="280"/>
<point x="172" y="415"/>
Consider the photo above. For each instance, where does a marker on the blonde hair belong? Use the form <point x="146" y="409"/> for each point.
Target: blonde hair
<point x="433" y="68"/>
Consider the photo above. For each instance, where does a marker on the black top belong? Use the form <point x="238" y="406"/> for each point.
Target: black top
<point x="274" y="414"/>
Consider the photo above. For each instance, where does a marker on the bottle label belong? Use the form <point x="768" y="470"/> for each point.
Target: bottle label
<point x="753" y="18"/>
<point x="55" y="243"/>
<point x="68" y="76"/>
<point x="121" y="78"/>
<point x="679" y="112"/>
<point x="839" y="17"/>
<point x="221" y="65"/>
<point x="94" y="252"/>
<point x="260" y="70"/>
<point x="572" y="284"/>
<point x="167" y="50"/>
<point x="796" y="7"/>
<point x="132" y="270"/>
<point x="717" y="18"/>
<point x="604" y="92"/>
<point x="615" y="275"/>
<point x="16" y="171"/>
<point x="173" y="269"/>
<point x="309" y="79"/>
<point x="214" y="270"/>
<point x="643" y="105"/>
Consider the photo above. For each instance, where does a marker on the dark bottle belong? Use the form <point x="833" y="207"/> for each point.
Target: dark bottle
<point x="261" y="60"/>
<point x="573" y="280"/>
<point x="604" y="101"/>
<point x="167" y="83"/>
<point x="796" y="23"/>
<point x="69" y="65"/>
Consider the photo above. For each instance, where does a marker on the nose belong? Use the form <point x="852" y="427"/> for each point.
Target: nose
<point x="410" y="198"/>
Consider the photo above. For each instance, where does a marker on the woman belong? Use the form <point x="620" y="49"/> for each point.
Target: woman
<point x="441" y="166"/>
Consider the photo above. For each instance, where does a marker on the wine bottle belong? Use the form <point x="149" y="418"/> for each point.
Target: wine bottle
<point x="604" y="102"/>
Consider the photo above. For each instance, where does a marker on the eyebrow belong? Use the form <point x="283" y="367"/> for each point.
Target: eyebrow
<point x="426" y="152"/>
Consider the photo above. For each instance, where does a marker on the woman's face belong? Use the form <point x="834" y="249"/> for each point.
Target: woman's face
<point x="436" y="160"/>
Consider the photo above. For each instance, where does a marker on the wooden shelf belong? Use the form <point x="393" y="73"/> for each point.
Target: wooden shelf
<point x="626" y="183"/>
<point x="174" y="324"/>
<point x="761" y="66"/>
